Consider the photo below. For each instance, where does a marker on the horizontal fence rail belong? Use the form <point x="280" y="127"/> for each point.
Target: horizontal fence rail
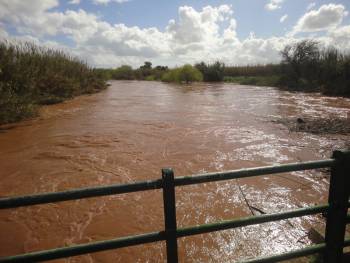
<point x="336" y="208"/>
<point x="13" y="202"/>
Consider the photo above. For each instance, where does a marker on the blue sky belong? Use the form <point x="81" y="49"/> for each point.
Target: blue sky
<point x="251" y="14"/>
<point x="109" y="33"/>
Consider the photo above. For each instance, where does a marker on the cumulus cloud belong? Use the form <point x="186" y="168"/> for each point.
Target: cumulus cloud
<point x="194" y="26"/>
<point x="283" y="18"/>
<point x="194" y="35"/>
<point x="74" y="2"/>
<point x="327" y="17"/>
<point x="310" y="6"/>
<point x="273" y="4"/>
<point x="341" y="37"/>
<point x="105" y="2"/>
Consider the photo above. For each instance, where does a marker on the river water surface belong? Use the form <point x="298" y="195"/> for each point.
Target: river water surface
<point x="133" y="129"/>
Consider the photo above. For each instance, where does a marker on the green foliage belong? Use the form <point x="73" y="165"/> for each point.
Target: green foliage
<point x="253" y="70"/>
<point x="300" y="64"/>
<point x="335" y="73"/>
<point x="14" y="107"/>
<point x="124" y="72"/>
<point x="271" y="81"/>
<point x="306" y="67"/>
<point x="186" y="74"/>
<point x="150" y="78"/>
<point x="212" y="72"/>
<point x="32" y="75"/>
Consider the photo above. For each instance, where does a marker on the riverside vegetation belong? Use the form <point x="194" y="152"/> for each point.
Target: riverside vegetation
<point x="304" y="66"/>
<point x="31" y="75"/>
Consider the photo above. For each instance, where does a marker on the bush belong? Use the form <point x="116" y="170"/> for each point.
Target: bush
<point x="124" y="72"/>
<point x="212" y="72"/>
<point x="186" y="74"/>
<point x="150" y="78"/>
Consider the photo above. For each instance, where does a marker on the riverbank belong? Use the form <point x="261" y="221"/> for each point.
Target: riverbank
<point x="31" y="76"/>
<point x="268" y="81"/>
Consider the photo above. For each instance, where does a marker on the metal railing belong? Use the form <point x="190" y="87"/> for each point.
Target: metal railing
<point x="335" y="212"/>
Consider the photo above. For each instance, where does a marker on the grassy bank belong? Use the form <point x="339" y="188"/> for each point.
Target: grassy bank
<point x="271" y="81"/>
<point x="31" y="76"/>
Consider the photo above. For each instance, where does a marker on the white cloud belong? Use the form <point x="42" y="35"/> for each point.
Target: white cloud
<point x="340" y="37"/>
<point x="3" y="34"/>
<point x="207" y="34"/>
<point x="283" y="18"/>
<point x="105" y="2"/>
<point x="310" y="6"/>
<point x="196" y="26"/>
<point x="74" y="2"/>
<point x="273" y="4"/>
<point x="327" y="17"/>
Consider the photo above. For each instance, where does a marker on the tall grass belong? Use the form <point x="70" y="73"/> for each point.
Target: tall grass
<point x="31" y="75"/>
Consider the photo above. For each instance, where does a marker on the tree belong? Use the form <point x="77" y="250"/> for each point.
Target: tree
<point x="147" y="65"/>
<point x="212" y="72"/>
<point x="146" y="69"/>
<point x="189" y="74"/>
<point x="300" y="64"/>
<point x="123" y="72"/>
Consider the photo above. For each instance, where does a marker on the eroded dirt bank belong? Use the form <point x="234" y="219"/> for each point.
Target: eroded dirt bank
<point x="130" y="131"/>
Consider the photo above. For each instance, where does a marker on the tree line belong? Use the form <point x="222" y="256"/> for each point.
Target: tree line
<point x="304" y="66"/>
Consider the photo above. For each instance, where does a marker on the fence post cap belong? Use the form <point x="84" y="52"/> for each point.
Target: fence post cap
<point x="166" y="172"/>
<point x="341" y="155"/>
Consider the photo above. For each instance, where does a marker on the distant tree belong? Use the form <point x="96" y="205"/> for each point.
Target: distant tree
<point x="146" y="65"/>
<point x="159" y="71"/>
<point x="162" y="68"/>
<point x="212" y="72"/>
<point x="300" y="64"/>
<point x="123" y="72"/>
<point x="186" y="74"/>
<point x="146" y="69"/>
<point x="189" y="74"/>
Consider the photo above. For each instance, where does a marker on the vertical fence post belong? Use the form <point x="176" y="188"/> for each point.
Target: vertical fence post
<point x="338" y="205"/>
<point x="170" y="214"/>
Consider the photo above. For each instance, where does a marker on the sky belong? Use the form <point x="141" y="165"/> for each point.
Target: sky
<point x="110" y="33"/>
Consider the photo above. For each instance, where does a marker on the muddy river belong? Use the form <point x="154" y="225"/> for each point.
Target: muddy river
<point x="133" y="129"/>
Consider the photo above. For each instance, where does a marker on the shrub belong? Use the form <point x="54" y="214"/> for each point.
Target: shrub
<point x="124" y="72"/>
<point x="186" y="74"/>
<point x="212" y="72"/>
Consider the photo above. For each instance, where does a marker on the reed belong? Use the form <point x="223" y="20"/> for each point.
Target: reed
<point x="31" y="75"/>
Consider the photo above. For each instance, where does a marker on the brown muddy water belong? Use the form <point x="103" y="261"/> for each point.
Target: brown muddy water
<point x="133" y="129"/>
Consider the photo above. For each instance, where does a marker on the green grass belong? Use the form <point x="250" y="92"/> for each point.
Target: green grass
<point x="271" y="81"/>
<point x="31" y="75"/>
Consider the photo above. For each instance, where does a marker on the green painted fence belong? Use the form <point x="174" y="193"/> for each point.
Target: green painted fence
<point x="335" y="212"/>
